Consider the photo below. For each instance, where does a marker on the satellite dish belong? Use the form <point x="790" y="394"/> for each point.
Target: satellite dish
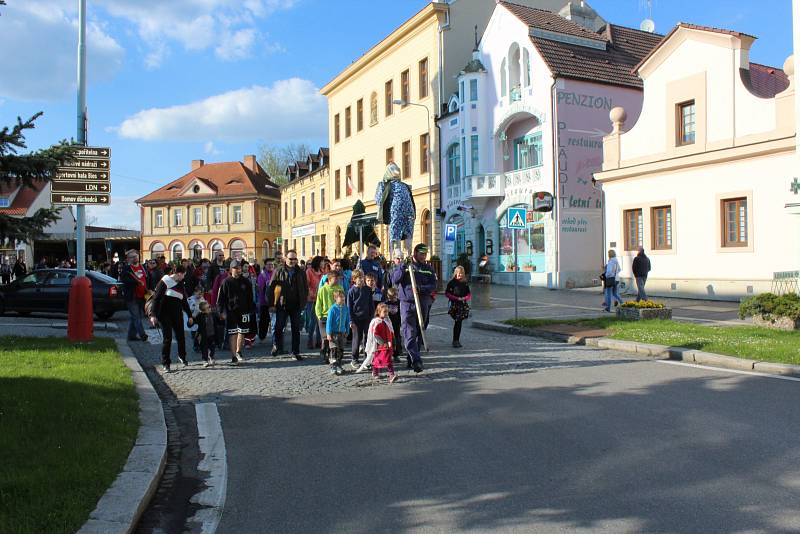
<point x="648" y="26"/>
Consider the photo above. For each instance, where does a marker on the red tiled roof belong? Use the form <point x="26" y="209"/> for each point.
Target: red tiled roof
<point x="547" y="20"/>
<point x="227" y="179"/>
<point x="764" y="81"/>
<point x="622" y="47"/>
<point x="24" y="198"/>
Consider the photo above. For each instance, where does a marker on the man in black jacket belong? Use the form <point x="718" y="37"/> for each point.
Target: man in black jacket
<point x="288" y="292"/>
<point x="640" y="268"/>
<point x="169" y="304"/>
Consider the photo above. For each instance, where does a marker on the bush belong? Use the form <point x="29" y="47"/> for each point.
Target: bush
<point x="771" y="305"/>
<point x="647" y="304"/>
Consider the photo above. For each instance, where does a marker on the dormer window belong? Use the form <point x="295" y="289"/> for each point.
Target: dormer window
<point x="686" y="123"/>
<point x="453" y="105"/>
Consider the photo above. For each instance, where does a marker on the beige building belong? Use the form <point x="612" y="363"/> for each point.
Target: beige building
<point x="231" y="207"/>
<point x="706" y="179"/>
<point x="306" y="201"/>
<point x="417" y="63"/>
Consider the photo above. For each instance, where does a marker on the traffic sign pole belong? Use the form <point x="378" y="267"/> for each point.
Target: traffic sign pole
<point x="81" y="210"/>
<point x="516" y="273"/>
<point x="516" y="219"/>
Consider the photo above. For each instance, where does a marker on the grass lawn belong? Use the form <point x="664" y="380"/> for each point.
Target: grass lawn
<point x="68" y="420"/>
<point x="743" y="341"/>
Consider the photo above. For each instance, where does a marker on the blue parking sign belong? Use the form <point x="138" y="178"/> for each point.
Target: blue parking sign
<point x="517" y="218"/>
<point x="450" y="232"/>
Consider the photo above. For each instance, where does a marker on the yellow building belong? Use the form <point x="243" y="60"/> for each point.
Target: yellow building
<point x="306" y="201"/>
<point x="418" y="64"/>
<point x="231" y="207"/>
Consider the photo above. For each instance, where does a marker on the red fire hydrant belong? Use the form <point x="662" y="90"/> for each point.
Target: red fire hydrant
<point x="80" y="315"/>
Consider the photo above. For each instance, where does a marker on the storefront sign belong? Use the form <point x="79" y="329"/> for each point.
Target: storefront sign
<point x="542" y="201"/>
<point x="303" y="231"/>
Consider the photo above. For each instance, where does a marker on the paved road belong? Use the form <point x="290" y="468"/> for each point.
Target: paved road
<point x="509" y="435"/>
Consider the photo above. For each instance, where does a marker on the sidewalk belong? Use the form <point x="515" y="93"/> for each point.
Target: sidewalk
<point x="542" y="303"/>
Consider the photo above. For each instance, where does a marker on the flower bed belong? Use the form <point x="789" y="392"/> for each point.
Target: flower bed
<point x="773" y="311"/>
<point x="644" y="309"/>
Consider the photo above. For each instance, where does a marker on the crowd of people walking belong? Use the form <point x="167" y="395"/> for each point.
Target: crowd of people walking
<point x="230" y="304"/>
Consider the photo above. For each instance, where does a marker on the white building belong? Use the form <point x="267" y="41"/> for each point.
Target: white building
<point x="528" y="118"/>
<point x="706" y="179"/>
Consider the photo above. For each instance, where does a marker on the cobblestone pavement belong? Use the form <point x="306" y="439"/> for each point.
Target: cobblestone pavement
<point x="261" y="375"/>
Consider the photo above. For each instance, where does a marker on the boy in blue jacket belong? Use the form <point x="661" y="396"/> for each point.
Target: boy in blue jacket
<point x="336" y="328"/>
<point x="362" y="310"/>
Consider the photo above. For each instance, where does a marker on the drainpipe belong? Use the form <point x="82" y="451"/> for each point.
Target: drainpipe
<point x="556" y="194"/>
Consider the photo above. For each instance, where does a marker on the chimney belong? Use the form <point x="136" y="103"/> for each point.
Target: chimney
<point x="197" y="163"/>
<point x="251" y="163"/>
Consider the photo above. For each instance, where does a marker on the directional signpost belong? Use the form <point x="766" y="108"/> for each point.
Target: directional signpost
<point x="85" y="179"/>
<point x="517" y="220"/>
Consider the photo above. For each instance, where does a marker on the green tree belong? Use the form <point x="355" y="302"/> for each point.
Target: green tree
<point x="27" y="170"/>
<point x="274" y="159"/>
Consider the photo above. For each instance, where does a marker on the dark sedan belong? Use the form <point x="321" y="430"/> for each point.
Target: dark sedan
<point x="47" y="290"/>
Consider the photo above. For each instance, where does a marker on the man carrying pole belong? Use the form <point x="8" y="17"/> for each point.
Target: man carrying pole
<point x="416" y="282"/>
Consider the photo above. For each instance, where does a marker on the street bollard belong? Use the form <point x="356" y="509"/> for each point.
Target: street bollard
<point x="80" y="315"/>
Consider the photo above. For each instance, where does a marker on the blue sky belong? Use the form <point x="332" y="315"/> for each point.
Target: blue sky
<point x="171" y="81"/>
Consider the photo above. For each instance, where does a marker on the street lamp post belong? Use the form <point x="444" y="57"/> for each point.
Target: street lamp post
<point x="430" y="163"/>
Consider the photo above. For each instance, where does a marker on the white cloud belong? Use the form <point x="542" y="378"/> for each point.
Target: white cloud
<point x="122" y="213"/>
<point x="39" y="39"/>
<point x="210" y="149"/>
<point x="227" y="26"/>
<point x="288" y="110"/>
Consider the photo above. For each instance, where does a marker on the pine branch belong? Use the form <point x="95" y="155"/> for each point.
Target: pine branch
<point x="27" y="229"/>
<point x="28" y="169"/>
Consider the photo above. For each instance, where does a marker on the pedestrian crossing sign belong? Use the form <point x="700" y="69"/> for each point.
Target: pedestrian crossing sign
<point x="517" y="218"/>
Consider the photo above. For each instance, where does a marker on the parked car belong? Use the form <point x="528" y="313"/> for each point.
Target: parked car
<point x="47" y="290"/>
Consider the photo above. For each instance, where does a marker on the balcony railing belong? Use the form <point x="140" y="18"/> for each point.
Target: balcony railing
<point x="497" y="184"/>
<point x="484" y="185"/>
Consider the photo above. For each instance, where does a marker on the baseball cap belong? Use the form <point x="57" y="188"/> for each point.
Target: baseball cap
<point x="236" y="264"/>
<point x="422" y="247"/>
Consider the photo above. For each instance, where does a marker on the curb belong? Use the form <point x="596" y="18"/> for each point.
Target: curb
<point x="119" y="509"/>
<point x="659" y="352"/>
<point x="495" y="326"/>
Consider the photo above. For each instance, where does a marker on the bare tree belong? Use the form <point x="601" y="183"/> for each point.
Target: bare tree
<point x="275" y="158"/>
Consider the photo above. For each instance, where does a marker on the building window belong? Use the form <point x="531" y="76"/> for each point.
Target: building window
<point x="198" y="216"/>
<point x="503" y="79"/>
<point x="424" y="160"/>
<point x="322" y="199"/>
<point x="217" y="215"/>
<point x="313" y="206"/>
<point x="265" y="250"/>
<point x="529" y="244"/>
<point x="462" y="95"/>
<point x="303" y="205"/>
<point x="303" y="247"/>
<point x="423" y="78"/>
<point x="464" y="155"/>
<point x="475" y="154"/>
<point x="686" y="123"/>
<point x="527" y="66"/>
<point x="388" y="94"/>
<point x="285" y="211"/>
<point x="336" y="128"/>
<point x="238" y="248"/>
<point x="156" y="250"/>
<point x="661" y="218"/>
<point x="406" y="159"/>
<point x="427" y="229"/>
<point x="405" y="88"/>
<point x="453" y="164"/>
<point x="360" y="170"/>
<point x="528" y="151"/>
<point x="5" y="202"/>
<point x="237" y="215"/>
<point x="177" y="251"/>
<point x="294" y="208"/>
<point x="360" y="115"/>
<point x="177" y="216"/>
<point x="734" y="222"/>
<point x="373" y="109"/>
<point x="216" y="246"/>
<point x="159" y="219"/>
<point x="337" y="184"/>
<point x="197" y="252"/>
<point x="634" y="229"/>
<point x="348" y="177"/>
<point x="389" y="155"/>
<point x="473" y="90"/>
<point x="347" y="117"/>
